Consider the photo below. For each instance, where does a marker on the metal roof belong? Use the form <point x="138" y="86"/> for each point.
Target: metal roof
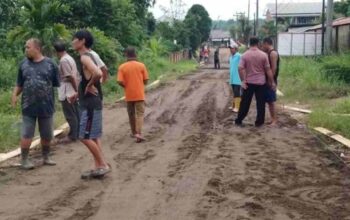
<point x="337" y="22"/>
<point x="219" y="34"/>
<point x="295" y="9"/>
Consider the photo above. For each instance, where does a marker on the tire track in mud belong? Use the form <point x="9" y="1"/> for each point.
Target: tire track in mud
<point x="260" y="179"/>
<point x="73" y="203"/>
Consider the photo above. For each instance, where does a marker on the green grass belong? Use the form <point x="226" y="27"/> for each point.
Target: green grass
<point x="322" y="84"/>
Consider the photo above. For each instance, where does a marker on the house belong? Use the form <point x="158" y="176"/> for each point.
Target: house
<point x="341" y="33"/>
<point x="295" y="14"/>
<point x="219" y="38"/>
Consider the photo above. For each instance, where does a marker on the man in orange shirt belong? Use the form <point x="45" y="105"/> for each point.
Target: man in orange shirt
<point x="133" y="76"/>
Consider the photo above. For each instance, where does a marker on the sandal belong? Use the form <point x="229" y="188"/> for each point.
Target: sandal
<point x="100" y="172"/>
<point x="87" y="174"/>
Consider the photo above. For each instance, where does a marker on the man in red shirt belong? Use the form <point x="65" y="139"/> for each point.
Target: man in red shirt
<point x="133" y="76"/>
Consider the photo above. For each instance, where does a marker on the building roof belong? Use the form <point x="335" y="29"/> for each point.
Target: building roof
<point x="219" y="34"/>
<point x="337" y="22"/>
<point x="298" y="29"/>
<point x="295" y="9"/>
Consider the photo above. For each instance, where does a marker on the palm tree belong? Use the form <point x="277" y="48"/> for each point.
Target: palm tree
<point x="38" y="20"/>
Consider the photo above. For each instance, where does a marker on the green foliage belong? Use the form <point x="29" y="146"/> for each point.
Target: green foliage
<point x="342" y="7"/>
<point x="337" y="67"/>
<point x="37" y="20"/>
<point x="303" y="79"/>
<point x="334" y="117"/>
<point x="203" y="21"/>
<point x="8" y="73"/>
<point x="109" y="49"/>
<point x="268" y="29"/>
<point x="223" y="25"/>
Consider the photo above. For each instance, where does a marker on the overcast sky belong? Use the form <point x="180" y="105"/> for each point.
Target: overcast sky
<point x="224" y="9"/>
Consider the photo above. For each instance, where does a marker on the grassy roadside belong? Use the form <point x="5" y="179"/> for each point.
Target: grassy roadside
<point x="322" y="85"/>
<point x="10" y="119"/>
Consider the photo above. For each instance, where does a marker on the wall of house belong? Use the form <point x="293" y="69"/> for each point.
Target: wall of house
<point x="342" y="43"/>
<point x="299" y="44"/>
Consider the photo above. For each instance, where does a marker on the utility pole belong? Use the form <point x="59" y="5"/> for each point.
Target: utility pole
<point x="329" y="27"/>
<point x="248" y="11"/>
<point x="254" y="25"/>
<point x="257" y="17"/>
<point x="323" y="25"/>
<point x="276" y="25"/>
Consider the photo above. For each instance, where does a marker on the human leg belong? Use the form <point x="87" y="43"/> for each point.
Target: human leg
<point x="245" y="104"/>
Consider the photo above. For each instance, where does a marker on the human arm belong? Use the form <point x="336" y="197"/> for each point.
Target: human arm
<point x="67" y="72"/>
<point x="105" y="75"/>
<point x="274" y="58"/>
<point x="270" y="78"/>
<point x="243" y="72"/>
<point x="16" y="92"/>
<point x="243" y="75"/>
<point x="120" y="77"/>
<point x="145" y="75"/>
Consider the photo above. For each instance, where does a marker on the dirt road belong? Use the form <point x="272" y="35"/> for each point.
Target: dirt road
<point x="195" y="165"/>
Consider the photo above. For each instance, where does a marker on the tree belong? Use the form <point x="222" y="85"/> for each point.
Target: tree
<point x="151" y="23"/>
<point x="268" y="29"/>
<point x="141" y="7"/>
<point x="176" y="10"/>
<point x="38" y="20"/>
<point x="193" y="31"/>
<point x="342" y="7"/>
<point x="203" y="21"/>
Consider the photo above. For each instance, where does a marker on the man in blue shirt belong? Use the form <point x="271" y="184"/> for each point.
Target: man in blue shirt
<point x="235" y="80"/>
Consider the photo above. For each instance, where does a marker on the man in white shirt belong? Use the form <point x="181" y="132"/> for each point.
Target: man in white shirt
<point x="68" y="91"/>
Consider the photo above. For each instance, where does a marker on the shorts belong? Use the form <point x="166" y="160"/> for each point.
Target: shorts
<point x="271" y="96"/>
<point x="45" y="127"/>
<point x="90" y="124"/>
<point x="237" y="91"/>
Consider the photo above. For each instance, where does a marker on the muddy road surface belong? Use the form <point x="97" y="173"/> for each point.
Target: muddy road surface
<point x="195" y="165"/>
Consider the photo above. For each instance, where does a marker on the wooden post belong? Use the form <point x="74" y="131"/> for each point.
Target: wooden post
<point x="291" y="44"/>
<point x="304" y="44"/>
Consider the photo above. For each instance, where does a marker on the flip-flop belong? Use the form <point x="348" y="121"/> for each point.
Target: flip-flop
<point x="87" y="174"/>
<point x="100" y="172"/>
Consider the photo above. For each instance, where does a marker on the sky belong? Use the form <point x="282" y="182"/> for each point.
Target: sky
<point x="224" y="9"/>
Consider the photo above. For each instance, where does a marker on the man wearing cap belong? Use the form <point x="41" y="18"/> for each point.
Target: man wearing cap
<point x="235" y="80"/>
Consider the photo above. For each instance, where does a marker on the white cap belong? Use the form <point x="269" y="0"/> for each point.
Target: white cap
<point x="233" y="44"/>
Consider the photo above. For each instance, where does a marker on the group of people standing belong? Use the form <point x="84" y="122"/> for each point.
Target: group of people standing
<point x="254" y="73"/>
<point x="80" y="93"/>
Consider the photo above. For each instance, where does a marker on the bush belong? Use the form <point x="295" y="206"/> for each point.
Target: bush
<point x="337" y="67"/>
<point x="109" y="49"/>
<point x="8" y="73"/>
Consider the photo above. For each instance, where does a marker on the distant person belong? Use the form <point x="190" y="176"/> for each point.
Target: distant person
<point x="90" y="100"/>
<point x="133" y="76"/>
<point x="235" y="80"/>
<point x="253" y="67"/>
<point x="206" y="54"/>
<point x="68" y="91"/>
<point x="217" y="58"/>
<point x="274" y="60"/>
<point x="37" y="77"/>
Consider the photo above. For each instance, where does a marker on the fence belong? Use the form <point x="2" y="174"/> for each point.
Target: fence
<point x="176" y="57"/>
<point x="299" y="44"/>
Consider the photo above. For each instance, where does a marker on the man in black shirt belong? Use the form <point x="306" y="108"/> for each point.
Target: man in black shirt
<point x="274" y="60"/>
<point x="37" y="77"/>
